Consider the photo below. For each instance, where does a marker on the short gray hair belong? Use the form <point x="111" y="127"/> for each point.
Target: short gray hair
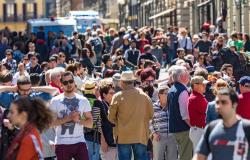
<point x="177" y="72"/>
<point x="55" y="72"/>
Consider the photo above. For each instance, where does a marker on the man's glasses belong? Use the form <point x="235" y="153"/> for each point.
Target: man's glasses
<point x="68" y="82"/>
<point x="223" y="102"/>
<point x="62" y="56"/>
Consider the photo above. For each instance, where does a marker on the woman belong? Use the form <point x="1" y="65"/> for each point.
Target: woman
<point x="86" y="61"/>
<point x="246" y="43"/>
<point x="211" y="114"/>
<point x="108" y="146"/>
<point x="31" y="117"/>
<point x="200" y="61"/>
<point x="164" y="144"/>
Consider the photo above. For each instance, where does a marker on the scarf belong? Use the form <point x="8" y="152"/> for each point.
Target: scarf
<point x="13" y="149"/>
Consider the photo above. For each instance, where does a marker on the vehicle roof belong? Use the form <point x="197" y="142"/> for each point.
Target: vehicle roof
<point x="49" y="22"/>
<point x="83" y="13"/>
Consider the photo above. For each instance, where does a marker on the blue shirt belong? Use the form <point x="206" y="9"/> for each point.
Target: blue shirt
<point x="6" y="98"/>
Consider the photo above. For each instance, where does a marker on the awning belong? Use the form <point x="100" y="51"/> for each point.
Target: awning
<point x="204" y="3"/>
<point x="162" y="13"/>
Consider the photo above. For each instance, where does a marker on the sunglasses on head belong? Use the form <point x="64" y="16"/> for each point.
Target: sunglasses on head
<point x="223" y="102"/>
<point x="68" y="82"/>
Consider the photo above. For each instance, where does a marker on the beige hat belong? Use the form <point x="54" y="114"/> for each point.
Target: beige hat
<point x="163" y="86"/>
<point x="198" y="80"/>
<point x="88" y="86"/>
<point x="127" y="76"/>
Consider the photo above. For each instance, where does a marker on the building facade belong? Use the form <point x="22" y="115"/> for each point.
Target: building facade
<point x="15" y="13"/>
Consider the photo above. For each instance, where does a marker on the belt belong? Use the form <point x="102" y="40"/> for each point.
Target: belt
<point x="197" y="127"/>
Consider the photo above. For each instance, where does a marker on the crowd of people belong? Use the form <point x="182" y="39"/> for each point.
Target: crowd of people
<point x="136" y="93"/>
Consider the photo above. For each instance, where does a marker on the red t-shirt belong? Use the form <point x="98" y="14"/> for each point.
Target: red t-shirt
<point x="197" y="106"/>
<point x="27" y="149"/>
<point x="142" y="43"/>
<point x="243" y="108"/>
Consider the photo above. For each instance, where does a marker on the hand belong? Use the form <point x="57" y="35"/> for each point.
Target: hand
<point x="104" y="146"/>
<point x="156" y="137"/>
<point x="7" y="124"/>
<point x="75" y="116"/>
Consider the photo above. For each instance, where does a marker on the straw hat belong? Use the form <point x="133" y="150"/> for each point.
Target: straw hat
<point x="127" y="76"/>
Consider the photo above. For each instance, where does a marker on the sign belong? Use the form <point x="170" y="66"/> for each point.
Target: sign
<point x="10" y="1"/>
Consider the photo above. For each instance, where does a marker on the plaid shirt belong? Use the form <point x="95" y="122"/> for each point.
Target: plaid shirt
<point x="12" y="63"/>
<point x="160" y="121"/>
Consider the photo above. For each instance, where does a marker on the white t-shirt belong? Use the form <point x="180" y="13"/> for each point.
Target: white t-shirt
<point x="70" y="132"/>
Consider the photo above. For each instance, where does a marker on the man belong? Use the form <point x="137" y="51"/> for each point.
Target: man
<point x="96" y="42"/>
<point x="92" y="135"/>
<point x="9" y="60"/>
<point x="164" y="144"/>
<point x="127" y="107"/>
<point x="181" y="55"/>
<point x="226" y="138"/>
<point x="148" y="55"/>
<point x="185" y="42"/>
<point x="132" y="54"/>
<point x="23" y="88"/>
<point x="203" y="45"/>
<point x="156" y="50"/>
<point x="179" y="123"/>
<point x="106" y="59"/>
<point x="34" y="65"/>
<point x="52" y="62"/>
<point x="76" y="46"/>
<point x="197" y="106"/>
<point x="72" y="113"/>
<point x="20" y="71"/>
<point x="244" y="97"/>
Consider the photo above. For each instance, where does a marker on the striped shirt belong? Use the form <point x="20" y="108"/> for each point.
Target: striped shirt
<point x="160" y="120"/>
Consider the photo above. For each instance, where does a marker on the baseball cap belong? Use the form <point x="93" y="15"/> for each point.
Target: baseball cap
<point x="244" y="80"/>
<point x="162" y="86"/>
<point x="198" y="80"/>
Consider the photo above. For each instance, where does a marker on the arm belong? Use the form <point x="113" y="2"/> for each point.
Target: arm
<point x="87" y="121"/>
<point x="113" y="110"/>
<point x="47" y="89"/>
<point x="60" y="121"/>
<point x="183" y="104"/>
<point x="8" y="89"/>
<point x="199" y="156"/>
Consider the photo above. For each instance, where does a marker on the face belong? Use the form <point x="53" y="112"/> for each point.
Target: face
<point x="15" y="117"/>
<point x="109" y="63"/>
<point x="62" y="57"/>
<point x="32" y="47"/>
<point x="34" y="60"/>
<point x="52" y="64"/>
<point x="224" y="106"/>
<point x="229" y="71"/>
<point x="181" y="54"/>
<point x="185" y="77"/>
<point x="68" y="84"/>
<point x="8" y="55"/>
<point x="201" y="59"/>
<point x="24" y="90"/>
<point x="21" y="67"/>
<point x="25" y="60"/>
<point x="163" y="96"/>
<point x="200" y="87"/>
<point x="109" y="95"/>
<point x="149" y="80"/>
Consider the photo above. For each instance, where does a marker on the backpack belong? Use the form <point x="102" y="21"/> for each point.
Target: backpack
<point x="94" y="128"/>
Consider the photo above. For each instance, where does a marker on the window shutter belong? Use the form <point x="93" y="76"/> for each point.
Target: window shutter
<point x="4" y="12"/>
<point x="24" y="12"/>
<point x="35" y="10"/>
<point x="15" y="12"/>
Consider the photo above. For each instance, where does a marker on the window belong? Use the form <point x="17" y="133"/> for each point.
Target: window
<point x="29" y="11"/>
<point x="9" y="12"/>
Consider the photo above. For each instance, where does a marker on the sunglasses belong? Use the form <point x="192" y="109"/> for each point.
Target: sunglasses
<point x="68" y="82"/>
<point x="223" y="102"/>
<point x="61" y="56"/>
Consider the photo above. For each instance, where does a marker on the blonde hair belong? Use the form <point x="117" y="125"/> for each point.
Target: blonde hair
<point x="220" y="84"/>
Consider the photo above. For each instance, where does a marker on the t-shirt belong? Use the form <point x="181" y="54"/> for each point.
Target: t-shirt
<point x="70" y="132"/>
<point x="224" y="143"/>
<point x="204" y="46"/>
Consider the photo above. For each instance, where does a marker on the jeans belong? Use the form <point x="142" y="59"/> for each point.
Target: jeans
<point x="93" y="150"/>
<point x="139" y="151"/>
